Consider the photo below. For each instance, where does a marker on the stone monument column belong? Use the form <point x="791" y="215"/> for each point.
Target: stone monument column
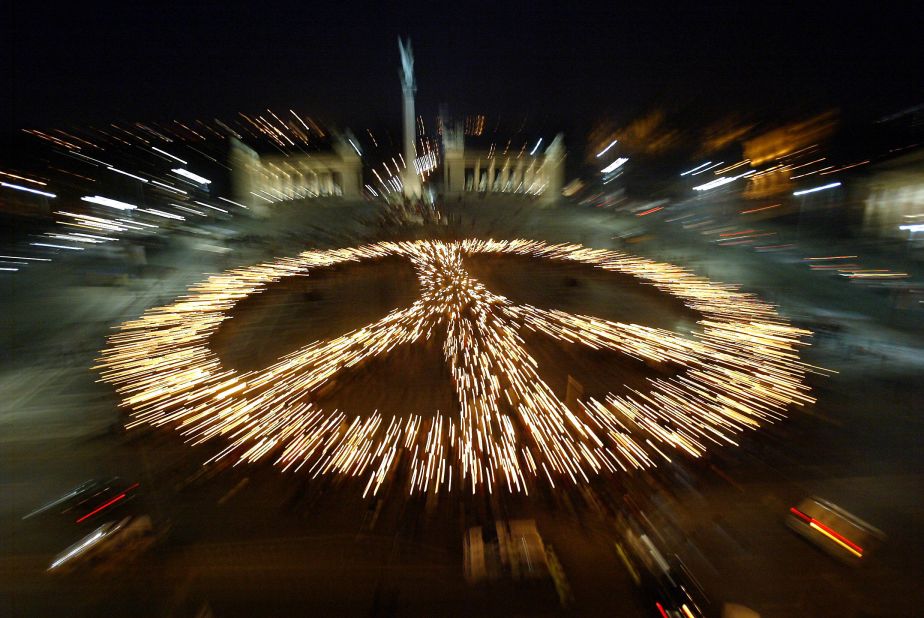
<point x="246" y="170"/>
<point x="410" y="178"/>
<point x="554" y="167"/>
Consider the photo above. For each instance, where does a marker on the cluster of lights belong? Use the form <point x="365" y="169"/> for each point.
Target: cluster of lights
<point x="425" y="163"/>
<point x="738" y="370"/>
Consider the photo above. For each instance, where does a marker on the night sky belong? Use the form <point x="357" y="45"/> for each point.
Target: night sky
<point x="93" y="62"/>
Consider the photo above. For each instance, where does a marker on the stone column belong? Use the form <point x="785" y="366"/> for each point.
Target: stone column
<point x="554" y="170"/>
<point x="518" y="177"/>
<point x="530" y="177"/>
<point x="410" y="178"/>
<point x="246" y="173"/>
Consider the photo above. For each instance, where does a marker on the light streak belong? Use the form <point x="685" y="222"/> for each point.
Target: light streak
<point x="821" y="188"/>
<point x="752" y="210"/>
<point x="733" y="166"/>
<point x="688" y="172"/>
<point x="807" y="164"/>
<point x="105" y="201"/>
<point x="10" y="185"/>
<point x="168" y="187"/>
<point x="838" y="538"/>
<point x="83" y="546"/>
<point x="846" y="167"/>
<point x="191" y="176"/>
<point x="739" y="370"/>
<point x="714" y="183"/>
<point x="101" y="507"/>
<point x="118" y="171"/>
<point x="44" y="244"/>
<point x="23" y="178"/>
<point x="210" y="206"/>
<point x="535" y="148"/>
<point x="812" y="172"/>
<point x="706" y="169"/>
<point x="161" y="213"/>
<point x="724" y="180"/>
<point x="224" y="199"/>
<point x="164" y="152"/>
<point x="615" y="165"/>
<point x="605" y="150"/>
<point x="31" y="259"/>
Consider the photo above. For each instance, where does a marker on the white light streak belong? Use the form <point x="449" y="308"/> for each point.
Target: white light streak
<point x="43" y="244"/>
<point x="615" y="165"/>
<point x="168" y="187"/>
<point x="224" y="199"/>
<point x="164" y="152"/>
<point x="191" y="176"/>
<point x="688" y="172"/>
<point x="210" y="206"/>
<point x="706" y="169"/>
<point x="117" y="170"/>
<point x="161" y="213"/>
<point x="10" y="185"/>
<point x="821" y="188"/>
<point x="105" y="201"/>
<point x="607" y="149"/>
<point x="18" y="257"/>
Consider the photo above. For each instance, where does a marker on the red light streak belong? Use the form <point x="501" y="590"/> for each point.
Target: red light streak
<point x="827" y="530"/>
<point x="107" y="504"/>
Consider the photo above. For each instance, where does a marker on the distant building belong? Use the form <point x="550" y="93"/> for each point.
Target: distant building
<point x="473" y="167"/>
<point x="893" y="195"/>
<point x="259" y="180"/>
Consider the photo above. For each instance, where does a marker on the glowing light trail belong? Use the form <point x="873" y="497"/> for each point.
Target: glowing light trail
<point x="821" y="188"/>
<point x="739" y="370"/>
<point x="10" y="185"/>
<point x="607" y="149"/>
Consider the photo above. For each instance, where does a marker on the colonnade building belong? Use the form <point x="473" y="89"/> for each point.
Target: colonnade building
<point x="530" y="169"/>
<point x="261" y="180"/>
<point x="537" y="171"/>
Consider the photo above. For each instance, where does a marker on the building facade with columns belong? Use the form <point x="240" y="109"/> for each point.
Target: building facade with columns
<point x="538" y="172"/>
<point x="259" y="181"/>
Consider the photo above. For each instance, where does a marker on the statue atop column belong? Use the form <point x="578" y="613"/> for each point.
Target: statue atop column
<point x="411" y="180"/>
<point x="407" y="66"/>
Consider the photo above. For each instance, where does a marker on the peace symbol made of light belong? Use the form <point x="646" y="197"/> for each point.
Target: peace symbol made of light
<point x="738" y="370"/>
